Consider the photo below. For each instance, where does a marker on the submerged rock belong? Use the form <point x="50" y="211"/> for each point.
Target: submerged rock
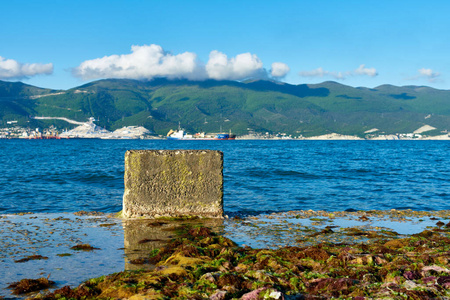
<point x="30" y="285"/>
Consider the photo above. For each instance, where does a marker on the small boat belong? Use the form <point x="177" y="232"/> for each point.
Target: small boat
<point x="178" y="135"/>
<point x="225" y="136"/>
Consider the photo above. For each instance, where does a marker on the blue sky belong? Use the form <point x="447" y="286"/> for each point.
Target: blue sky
<point x="63" y="44"/>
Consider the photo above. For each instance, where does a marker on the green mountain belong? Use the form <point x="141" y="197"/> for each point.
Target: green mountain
<point x="16" y="101"/>
<point x="211" y="106"/>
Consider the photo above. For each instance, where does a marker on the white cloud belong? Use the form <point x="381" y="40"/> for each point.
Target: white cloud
<point x="428" y="74"/>
<point x="242" y="66"/>
<point x="279" y="69"/>
<point x="362" y="70"/>
<point x="150" y="61"/>
<point x="11" y="69"/>
<point x="143" y="62"/>
<point x="320" y="72"/>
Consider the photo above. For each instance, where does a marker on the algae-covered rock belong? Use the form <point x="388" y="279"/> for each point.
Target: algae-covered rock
<point x="30" y="285"/>
<point x="263" y="293"/>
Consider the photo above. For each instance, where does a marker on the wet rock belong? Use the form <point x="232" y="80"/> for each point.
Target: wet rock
<point x="363" y="218"/>
<point x="230" y="279"/>
<point x="316" y="254"/>
<point x="32" y="257"/>
<point x="433" y="270"/>
<point x="444" y="281"/>
<point x="200" y="232"/>
<point x="442" y="260"/>
<point x="82" y="292"/>
<point x="409" y="285"/>
<point x="425" y="234"/>
<point x="440" y="224"/>
<point x="412" y="275"/>
<point x="323" y="231"/>
<point x="379" y="260"/>
<point x="30" y="285"/>
<point x="107" y="225"/>
<point x="211" y="277"/>
<point x="395" y="244"/>
<point x="261" y="276"/>
<point x="362" y="260"/>
<point x="219" y="295"/>
<point x="88" y="213"/>
<point x="429" y="280"/>
<point x="332" y="286"/>
<point x="263" y="293"/>
<point x="420" y="294"/>
<point x="84" y="247"/>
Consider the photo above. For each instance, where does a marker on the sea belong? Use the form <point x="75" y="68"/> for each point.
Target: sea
<point x="260" y="176"/>
<point x="265" y="183"/>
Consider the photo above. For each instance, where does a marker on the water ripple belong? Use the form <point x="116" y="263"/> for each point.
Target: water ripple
<point x="259" y="176"/>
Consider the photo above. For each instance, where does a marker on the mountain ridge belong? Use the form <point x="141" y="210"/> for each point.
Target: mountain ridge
<point x="211" y="106"/>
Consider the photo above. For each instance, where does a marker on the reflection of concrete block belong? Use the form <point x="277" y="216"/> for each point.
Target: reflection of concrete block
<point x="173" y="183"/>
<point x="143" y="236"/>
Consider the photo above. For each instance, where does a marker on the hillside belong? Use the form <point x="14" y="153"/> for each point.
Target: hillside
<point x="261" y="106"/>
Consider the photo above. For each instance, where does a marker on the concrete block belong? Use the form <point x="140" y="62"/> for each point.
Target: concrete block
<point x="173" y="183"/>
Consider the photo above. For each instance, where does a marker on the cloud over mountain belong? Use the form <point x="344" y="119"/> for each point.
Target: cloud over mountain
<point x="11" y="69"/>
<point x="143" y="62"/>
<point x="150" y="61"/>
<point x="242" y="66"/>
<point x="279" y="70"/>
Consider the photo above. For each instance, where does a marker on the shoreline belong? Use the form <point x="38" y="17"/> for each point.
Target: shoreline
<point x="330" y="137"/>
<point x="123" y="239"/>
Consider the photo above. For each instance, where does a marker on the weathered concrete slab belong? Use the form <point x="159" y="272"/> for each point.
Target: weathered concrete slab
<point x="173" y="183"/>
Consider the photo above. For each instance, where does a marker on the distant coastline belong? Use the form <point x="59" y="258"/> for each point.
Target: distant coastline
<point x="325" y="137"/>
<point x="337" y="137"/>
<point x="89" y="129"/>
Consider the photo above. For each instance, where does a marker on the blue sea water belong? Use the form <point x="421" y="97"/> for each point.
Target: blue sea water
<point x="259" y="176"/>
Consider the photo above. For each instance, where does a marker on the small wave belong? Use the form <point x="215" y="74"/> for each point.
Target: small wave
<point x="282" y="174"/>
<point x="95" y="177"/>
<point x="443" y="195"/>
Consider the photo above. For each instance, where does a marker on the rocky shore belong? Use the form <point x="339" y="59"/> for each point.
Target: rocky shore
<point x="325" y="261"/>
